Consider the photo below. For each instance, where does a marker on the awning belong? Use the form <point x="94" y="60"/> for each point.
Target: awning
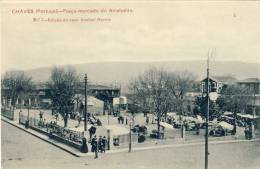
<point x="248" y="116"/>
<point x="166" y="125"/>
<point x="226" y="125"/>
<point x="228" y="113"/>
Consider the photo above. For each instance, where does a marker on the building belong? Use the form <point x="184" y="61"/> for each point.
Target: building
<point x="41" y="97"/>
<point x="251" y="84"/>
<point x="95" y="106"/>
<point x="217" y="83"/>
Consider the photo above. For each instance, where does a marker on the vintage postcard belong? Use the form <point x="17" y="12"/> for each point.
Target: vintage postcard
<point x="130" y="84"/>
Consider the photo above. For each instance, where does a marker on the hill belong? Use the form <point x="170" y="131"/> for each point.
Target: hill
<point x="122" y="72"/>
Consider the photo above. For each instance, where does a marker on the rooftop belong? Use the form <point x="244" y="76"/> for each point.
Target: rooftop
<point x="250" y="80"/>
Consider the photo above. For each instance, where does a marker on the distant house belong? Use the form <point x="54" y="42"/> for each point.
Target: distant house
<point x="251" y="84"/>
<point x="95" y="106"/>
<point x="217" y="83"/>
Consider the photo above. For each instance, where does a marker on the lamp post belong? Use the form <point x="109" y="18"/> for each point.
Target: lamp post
<point x="28" y="115"/>
<point x="108" y="111"/>
<point x="207" y="119"/>
<point x="130" y="136"/>
<point x="86" y="106"/>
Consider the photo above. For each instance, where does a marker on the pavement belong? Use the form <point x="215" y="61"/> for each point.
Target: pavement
<point x="155" y="144"/>
<point x="28" y="152"/>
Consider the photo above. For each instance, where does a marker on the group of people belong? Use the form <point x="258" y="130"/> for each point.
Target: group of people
<point x="121" y="120"/>
<point x="98" y="145"/>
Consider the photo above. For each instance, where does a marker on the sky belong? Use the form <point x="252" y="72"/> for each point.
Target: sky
<point x="154" y="31"/>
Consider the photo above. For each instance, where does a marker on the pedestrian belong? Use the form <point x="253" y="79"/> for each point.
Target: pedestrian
<point x="94" y="146"/>
<point x="104" y="144"/>
<point x="41" y="115"/>
<point x="147" y="120"/>
<point x="123" y="119"/>
<point x="79" y="119"/>
<point x="100" y="144"/>
<point x="197" y="129"/>
<point x="126" y="121"/>
<point x="118" y="120"/>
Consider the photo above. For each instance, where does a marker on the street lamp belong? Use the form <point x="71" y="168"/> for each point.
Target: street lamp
<point x="210" y="96"/>
<point x="86" y="106"/>
<point x="28" y="115"/>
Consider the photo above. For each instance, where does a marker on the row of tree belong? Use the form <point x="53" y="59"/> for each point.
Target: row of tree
<point x="63" y="85"/>
<point x="156" y="90"/>
<point x="159" y="91"/>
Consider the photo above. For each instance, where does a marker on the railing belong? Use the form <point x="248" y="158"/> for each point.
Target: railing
<point x="7" y="113"/>
<point x="53" y="129"/>
<point x="125" y="138"/>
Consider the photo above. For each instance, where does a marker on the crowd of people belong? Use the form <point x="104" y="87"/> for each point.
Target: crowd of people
<point x="98" y="145"/>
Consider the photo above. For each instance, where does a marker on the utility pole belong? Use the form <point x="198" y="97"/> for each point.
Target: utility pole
<point x="86" y="106"/>
<point x="253" y="123"/>
<point x="108" y="111"/>
<point x="207" y="117"/>
<point x="119" y="101"/>
<point x="130" y="137"/>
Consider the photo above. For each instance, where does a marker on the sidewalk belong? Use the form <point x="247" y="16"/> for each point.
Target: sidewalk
<point x="156" y="144"/>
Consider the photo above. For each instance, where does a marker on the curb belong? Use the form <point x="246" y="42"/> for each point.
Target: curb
<point x="79" y="154"/>
<point x="48" y="141"/>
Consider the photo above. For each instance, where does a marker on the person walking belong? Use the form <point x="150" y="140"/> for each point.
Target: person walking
<point x="94" y="146"/>
<point x="41" y="116"/>
<point x="147" y="120"/>
<point x="104" y="144"/>
<point x="100" y="144"/>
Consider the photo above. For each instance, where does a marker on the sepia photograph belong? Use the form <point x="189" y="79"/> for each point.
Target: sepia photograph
<point x="130" y="84"/>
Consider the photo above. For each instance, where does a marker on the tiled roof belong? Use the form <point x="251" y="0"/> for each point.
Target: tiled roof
<point x="250" y="80"/>
<point x="225" y="79"/>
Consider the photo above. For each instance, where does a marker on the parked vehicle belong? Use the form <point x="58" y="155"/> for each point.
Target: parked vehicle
<point x="139" y="129"/>
<point x="217" y="131"/>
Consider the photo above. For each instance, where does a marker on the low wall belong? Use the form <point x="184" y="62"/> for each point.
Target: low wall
<point x="7" y="113"/>
<point x="47" y="131"/>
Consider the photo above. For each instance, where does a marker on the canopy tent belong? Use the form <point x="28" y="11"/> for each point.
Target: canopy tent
<point x="227" y="113"/>
<point x="172" y="114"/>
<point x="200" y="120"/>
<point x="227" y="117"/>
<point x="226" y="125"/>
<point x="166" y="125"/>
<point x="248" y="116"/>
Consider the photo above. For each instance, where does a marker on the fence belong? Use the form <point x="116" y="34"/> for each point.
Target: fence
<point x="53" y="129"/>
<point x="7" y="113"/>
<point x="125" y="138"/>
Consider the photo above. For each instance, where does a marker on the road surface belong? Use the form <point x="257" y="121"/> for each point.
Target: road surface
<point x="22" y="150"/>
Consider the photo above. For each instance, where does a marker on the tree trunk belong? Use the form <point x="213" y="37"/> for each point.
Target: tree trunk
<point x="158" y="126"/>
<point x="65" y="118"/>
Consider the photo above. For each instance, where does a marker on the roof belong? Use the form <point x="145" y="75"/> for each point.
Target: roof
<point x="250" y="80"/>
<point x="226" y="79"/>
<point x="223" y="79"/>
<point x="41" y="86"/>
<point x="101" y="87"/>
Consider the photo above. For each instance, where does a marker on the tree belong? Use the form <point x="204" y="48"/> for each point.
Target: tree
<point x="160" y="91"/>
<point x="63" y="84"/>
<point x="16" y="84"/>
<point x="179" y="84"/>
<point x="149" y="91"/>
<point x="201" y="108"/>
<point x="234" y="98"/>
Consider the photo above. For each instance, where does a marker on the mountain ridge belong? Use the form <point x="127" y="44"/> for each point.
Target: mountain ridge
<point x="122" y="71"/>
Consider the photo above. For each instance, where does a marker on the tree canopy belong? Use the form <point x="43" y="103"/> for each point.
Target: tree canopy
<point x="16" y="84"/>
<point x="63" y="84"/>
